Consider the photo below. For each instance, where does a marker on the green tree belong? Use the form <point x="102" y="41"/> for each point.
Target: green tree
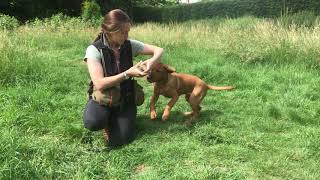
<point x="155" y="3"/>
<point x="90" y="10"/>
<point x="28" y="9"/>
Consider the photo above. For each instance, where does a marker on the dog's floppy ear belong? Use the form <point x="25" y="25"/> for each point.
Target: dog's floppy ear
<point x="169" y="68"/>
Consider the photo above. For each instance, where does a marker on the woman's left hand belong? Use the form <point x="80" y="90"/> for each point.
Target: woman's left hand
<point x="136" y="71"/>
<point x="156" y="53"/>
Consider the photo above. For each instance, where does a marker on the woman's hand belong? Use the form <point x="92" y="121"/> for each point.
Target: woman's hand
<point x="136" y="70"/>
<point x="149" y="64"/>
<point x="156" y="53"/>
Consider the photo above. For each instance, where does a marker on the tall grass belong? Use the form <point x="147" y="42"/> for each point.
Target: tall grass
<point x="248" y="39"/>
<point x="267" y="128"/>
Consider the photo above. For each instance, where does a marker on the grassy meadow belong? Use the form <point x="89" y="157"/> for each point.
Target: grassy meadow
<point x="267" y="128"/>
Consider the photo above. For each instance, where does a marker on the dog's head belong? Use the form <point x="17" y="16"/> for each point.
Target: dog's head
<point x="159" y="73"/>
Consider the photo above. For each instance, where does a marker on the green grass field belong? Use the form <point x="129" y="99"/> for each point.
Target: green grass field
<point x="267" y="128"/>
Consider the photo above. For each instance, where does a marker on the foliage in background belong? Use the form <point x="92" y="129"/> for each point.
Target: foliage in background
<point x="161" y="11"/>
<point x="129" y="6"/>
<point x="107" y="5"/>
<point x="154" y="3"/>
<point x="91" y="11"/>
<point x="230" y="8"/>
<point x="147" y="14"/>
<point x="30" y="9"/>
<point x="59" y="21"/>
<point x="8" y="22"/>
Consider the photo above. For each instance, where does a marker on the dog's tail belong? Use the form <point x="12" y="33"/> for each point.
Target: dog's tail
<point x="220" y="87"/>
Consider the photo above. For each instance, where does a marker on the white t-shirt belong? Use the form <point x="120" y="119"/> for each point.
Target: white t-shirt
<point x="93" y="53"/>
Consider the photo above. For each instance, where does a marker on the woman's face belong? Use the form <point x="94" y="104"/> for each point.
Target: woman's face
<point x="120" y="36"/>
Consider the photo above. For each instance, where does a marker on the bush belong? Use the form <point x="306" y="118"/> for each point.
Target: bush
<point x="91" y="11"/>
<point x="147" y="13"/>
<point x="57" y="20"/>
<point x="8" y="22"/>
<point x="230" y="8"/>
<point x="54" y="21"/>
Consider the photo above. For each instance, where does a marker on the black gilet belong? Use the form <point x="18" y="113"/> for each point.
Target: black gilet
<point x="111" y="66"/>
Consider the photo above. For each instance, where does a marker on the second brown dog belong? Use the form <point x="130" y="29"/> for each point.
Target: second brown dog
<point x="171" y="85"/>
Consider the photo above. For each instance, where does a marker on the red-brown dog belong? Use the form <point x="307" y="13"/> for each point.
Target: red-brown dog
<point x="171" y="85"/>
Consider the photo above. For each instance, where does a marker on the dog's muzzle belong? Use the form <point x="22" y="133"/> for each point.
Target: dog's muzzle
<point x="149" y="76"/>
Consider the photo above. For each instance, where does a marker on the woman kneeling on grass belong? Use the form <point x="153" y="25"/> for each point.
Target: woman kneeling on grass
<point x="112" y="51"/>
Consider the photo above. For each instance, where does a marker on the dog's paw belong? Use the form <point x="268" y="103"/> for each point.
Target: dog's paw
<point x="165" y="117"/>
<point x="153" y="115"/>
<point x="188" y="113"/>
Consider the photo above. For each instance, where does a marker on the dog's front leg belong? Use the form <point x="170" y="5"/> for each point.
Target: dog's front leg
<point x="154" y="99"/>
<point x="169" y="106"/>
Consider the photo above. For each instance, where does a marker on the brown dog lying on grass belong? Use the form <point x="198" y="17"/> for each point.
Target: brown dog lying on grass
<point x="171" y="85"/>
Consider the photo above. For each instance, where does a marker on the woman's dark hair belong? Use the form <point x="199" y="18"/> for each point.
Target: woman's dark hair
<point x="113" y="22"/>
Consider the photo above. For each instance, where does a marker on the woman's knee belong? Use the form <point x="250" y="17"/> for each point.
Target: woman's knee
<point x="91" y="124"/>
<point x="95" y="117"/>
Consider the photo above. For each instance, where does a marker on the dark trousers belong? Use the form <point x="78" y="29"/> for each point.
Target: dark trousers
<point x="119" y="121"/>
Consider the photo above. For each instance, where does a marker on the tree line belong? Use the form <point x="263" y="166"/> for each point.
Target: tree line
<point x="30" y="9"/>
